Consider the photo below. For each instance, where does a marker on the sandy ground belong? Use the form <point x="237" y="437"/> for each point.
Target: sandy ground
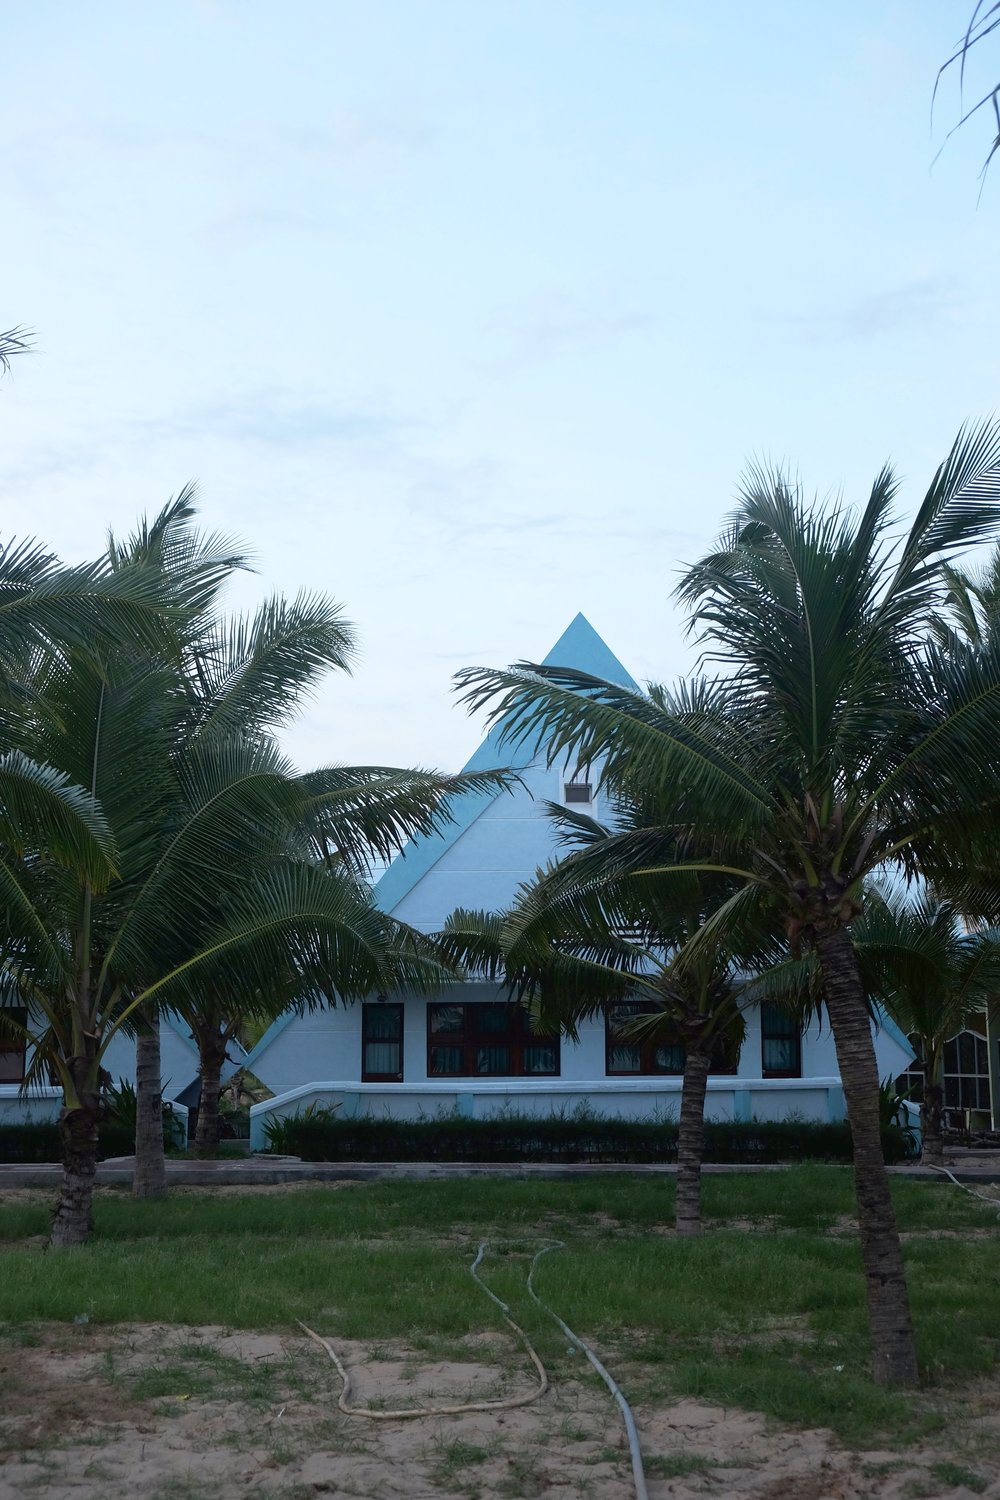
<point x="170" y="1413"/>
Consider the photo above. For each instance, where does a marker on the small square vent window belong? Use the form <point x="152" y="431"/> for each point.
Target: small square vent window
<point x="577" y="791"/>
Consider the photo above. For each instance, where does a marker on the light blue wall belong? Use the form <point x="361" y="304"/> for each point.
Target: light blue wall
<point x="178" y="1058"/>
<point x="325" y="1048"/>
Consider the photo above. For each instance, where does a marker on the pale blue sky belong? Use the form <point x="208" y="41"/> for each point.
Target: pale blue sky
<point x="469" y="312"/>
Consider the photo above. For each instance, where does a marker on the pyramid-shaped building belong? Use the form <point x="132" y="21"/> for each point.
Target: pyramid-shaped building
<point x="468" y="1051"/>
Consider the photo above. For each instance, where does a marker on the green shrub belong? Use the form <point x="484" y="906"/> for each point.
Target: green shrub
<point x="317" y="1135"/>
<point x="39" y="1141"/>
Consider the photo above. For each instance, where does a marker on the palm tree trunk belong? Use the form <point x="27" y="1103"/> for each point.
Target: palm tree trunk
<point x="149" y="1179"/>
<point x="691" y="1143"/>
<point x="78" y="1134"/>
<point x="931" y="1125"/>
<point x="894" y="1360"/>
<point x="212" y="1055"/>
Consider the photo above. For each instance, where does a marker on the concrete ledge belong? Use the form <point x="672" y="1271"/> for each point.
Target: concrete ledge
<point x="263" y="1173"/>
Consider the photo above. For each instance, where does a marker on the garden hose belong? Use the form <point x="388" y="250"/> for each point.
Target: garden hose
<point x="510" y="1402"/>
<point x="983" y="1197"/>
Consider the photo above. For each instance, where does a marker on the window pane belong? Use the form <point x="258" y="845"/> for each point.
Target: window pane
<point x="447" y="1060"/>
<point x="493" y="1020"/>
<point x="383" y="1022"/>
<point x="624" y="1059"/>
<point x="669" y="1059"/>
<point x="11" y="1064"/>
<point x="779" y="1055"/>
<point x="446" y="1017"/>
<point x="493" y="1060"/>
<point x="776" y="1022"/>
<point x="541" y="1059"/>
<point x="383" y="1057"/>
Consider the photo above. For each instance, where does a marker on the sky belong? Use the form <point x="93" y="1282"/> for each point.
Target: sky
<point x="469" y="313"/>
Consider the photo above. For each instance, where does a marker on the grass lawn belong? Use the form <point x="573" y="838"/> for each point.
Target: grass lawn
<point x="764" y="1312"/>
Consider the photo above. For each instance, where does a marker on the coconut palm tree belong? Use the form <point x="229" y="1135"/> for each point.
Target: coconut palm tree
<point x="13" y="341"/>
<point x="203" y="814"/>
<point x="983" y="22"/>
<point x="836" y="738"/>
<point x="931" y="974"/>
<point x="47" y="613"/>
<point x="586" y="938"/>
<point x="243" y="680"/>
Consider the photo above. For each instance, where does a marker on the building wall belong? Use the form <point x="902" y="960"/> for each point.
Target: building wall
<point x="178" y="1059"/>
<point x="317" y="1059"/>
<point x="483" y="868"/>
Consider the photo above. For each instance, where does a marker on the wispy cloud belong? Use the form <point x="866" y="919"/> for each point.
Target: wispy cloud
<point x="558" y="323"/>
<point x="912" y="304"/>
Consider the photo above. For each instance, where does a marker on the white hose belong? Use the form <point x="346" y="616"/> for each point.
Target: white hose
<point x="638" y="1474"/>
<point x="983" y="1197"/>
<point x="433" y="1411"/>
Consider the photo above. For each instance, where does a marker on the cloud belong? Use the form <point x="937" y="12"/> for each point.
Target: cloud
<point x="281" y="418"/>
<point x="913" y="304"/>
<point x="559" y="323"/>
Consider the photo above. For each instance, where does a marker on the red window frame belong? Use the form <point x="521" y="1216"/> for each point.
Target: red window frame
<point x="371" y="1016"/>
<point x="778" y="1026"/>
<point x="647" y="1047"/>
<point x="479" y="1029"/>
<point x="14" y="1055"/>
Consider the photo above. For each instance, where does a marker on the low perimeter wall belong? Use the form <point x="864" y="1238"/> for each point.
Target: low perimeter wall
<point x="634" y="1098"/>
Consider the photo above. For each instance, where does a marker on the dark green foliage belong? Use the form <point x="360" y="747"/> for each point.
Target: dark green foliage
<point x="39" y="1141"/>
<point x="123" y="1105"/>
<point x="322" y="1136"/>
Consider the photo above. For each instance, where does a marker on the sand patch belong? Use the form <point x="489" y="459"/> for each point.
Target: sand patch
<point x="209" y="1413"/>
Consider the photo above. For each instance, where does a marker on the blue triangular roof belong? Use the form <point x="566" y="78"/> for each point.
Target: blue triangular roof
<point x="579" y="647"/>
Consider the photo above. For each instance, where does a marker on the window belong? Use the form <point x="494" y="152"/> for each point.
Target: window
<point x="780" y="1044"/>
<point x="967" y="1072"/>
<point x="646" y="1056"/>
<point x="381" y="1043"/>
<point x="13" y="1050"/>
<point x="577" y="792"/>
<point x="487" y="1040"/>
<point x="911" y="1083"/>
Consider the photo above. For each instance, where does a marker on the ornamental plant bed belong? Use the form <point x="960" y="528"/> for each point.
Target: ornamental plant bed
<point x="322" y="1136"/>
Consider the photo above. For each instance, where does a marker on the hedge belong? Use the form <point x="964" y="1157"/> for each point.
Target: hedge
<point x="320" y="1136"/>
<point x="39" y="1141"/>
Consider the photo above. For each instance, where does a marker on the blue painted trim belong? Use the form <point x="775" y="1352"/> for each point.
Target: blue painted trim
<point x="579" y="647"/>
<point x="885" y="1022"/>
<point x="275" y="1029"/>
<point x="182" y="1029"/>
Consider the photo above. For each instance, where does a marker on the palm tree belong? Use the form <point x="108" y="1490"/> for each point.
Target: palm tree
<point x="47" y="613"/>
<point x="837" y="738"/>
<point x="931" y="974"/>
<point x="242" y="680"/>
<point x="199" y="811"/>
<point x="586" y="938"/>
<point x="13" y="341"/>
<point x="983" y="22"/>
